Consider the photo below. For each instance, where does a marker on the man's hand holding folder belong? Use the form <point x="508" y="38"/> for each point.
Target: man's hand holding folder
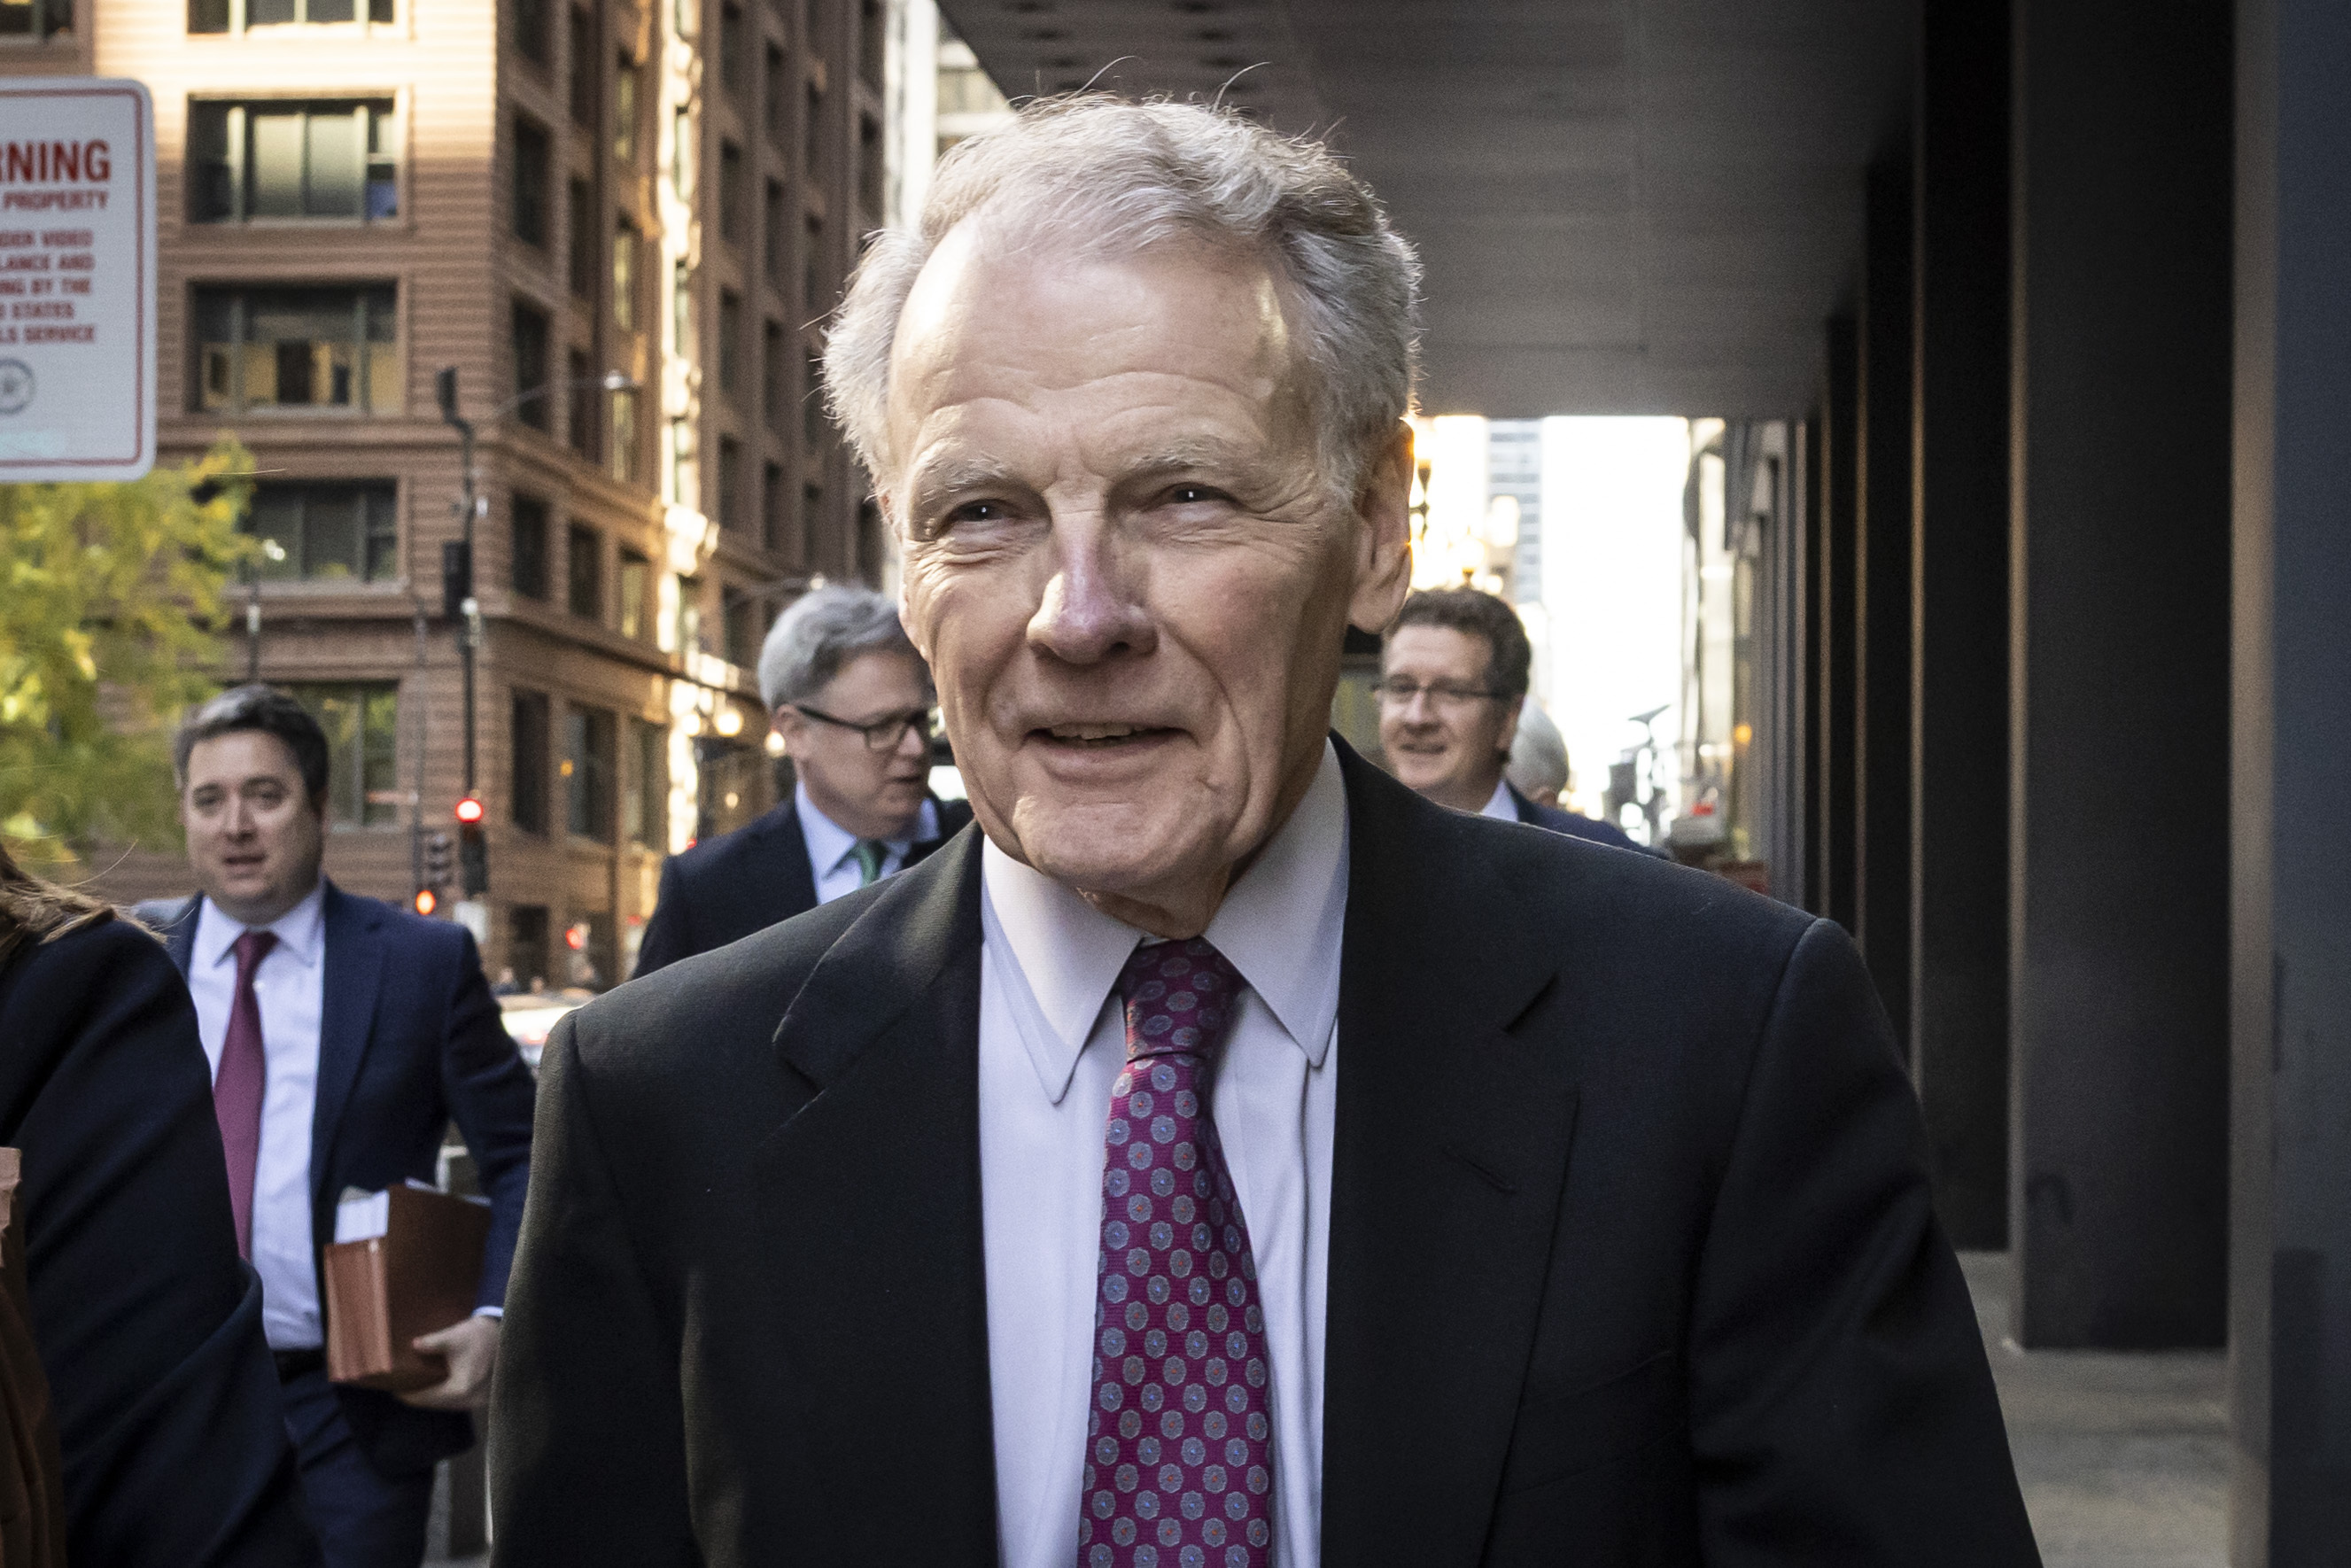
<point x="401" y="1280"/>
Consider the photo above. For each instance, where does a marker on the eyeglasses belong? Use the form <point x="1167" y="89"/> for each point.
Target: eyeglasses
<point x="1397" y="692"/>
<point x="883" y="734"/>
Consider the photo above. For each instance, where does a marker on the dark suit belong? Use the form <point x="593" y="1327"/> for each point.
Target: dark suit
<point x="408" y="1038"/>
<point x="1631" y="1256"/>
<point x="150" y="1326"/>
<point x="747" y="880"/>
<point x="1573" y="825"/>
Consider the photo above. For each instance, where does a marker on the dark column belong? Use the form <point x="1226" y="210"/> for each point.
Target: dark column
<point x="1958" y="776"/>
<point x="1882" y="603"/>
<point x="2290" y="1256"/>
<point x="2120" y="648"/>
<point x="1811" y="729"/>
<point x="1839" y="515"/>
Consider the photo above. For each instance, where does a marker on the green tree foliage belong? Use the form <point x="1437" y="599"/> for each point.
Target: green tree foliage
<point x="110" y="598"/>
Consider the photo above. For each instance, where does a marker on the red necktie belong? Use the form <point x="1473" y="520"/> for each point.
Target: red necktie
<point x="237" y="1086"/>
<point x="1179" y="1461"/>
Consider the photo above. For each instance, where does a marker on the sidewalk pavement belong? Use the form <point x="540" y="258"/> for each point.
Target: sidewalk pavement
<point x="2124" y="1458"/>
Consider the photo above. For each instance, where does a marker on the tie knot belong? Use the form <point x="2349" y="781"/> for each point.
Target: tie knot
<point x="1180" y="997"/>
<point x="252" y="948"/>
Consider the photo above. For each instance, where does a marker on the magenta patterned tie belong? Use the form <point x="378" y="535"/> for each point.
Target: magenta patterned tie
<point x="1179" y="1468"/>
<point x="238" y="1086"/>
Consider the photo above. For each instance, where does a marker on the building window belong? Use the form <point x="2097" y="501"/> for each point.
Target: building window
<point x="636" y="578"/>
<point x="580" y="423"/>
<point x="741" y="614"/>
<point x="734" y="53"/>
<point x="624" y="110"/>
<point x="622" y="455"/>
<point x="869" y="42"/>
<point x="581" y="203"/>
<point x="297" y="348"/>
<point x="362" y="725"/>
<point x="683" y="487"/>
<point x="527" y="517"/>
<point x="775" y="395"/>
<point x="812" y="508"/>
<point x="526" y="943"/>
<point x="237" y="16"/>
<point x="870" y="169"/>
<point x="730" y="483"/>
<point x="730" y="343"/>
<point x="332" y="158"/>
<point x="531" y="739"/>
<point x="812" y="270"/>
<point x="772" y="506"/>
<point x="583" y="558"/>
<point x="812" y="426"/>
<point x="587" y="767"/>
<point x="681" y="309"/>
<point x="812" y="135"/>
<point x="533" y="155"/>
<point x="778" y="102"/>
<point x="583" y="60"/>
<point x="689" y="615"/>
<point x="681" y="164"/>
<point x="625" y="276"/>
<point x="645" y="813"/>
<point x="45" y="19"/>
<point x="531" y="39"/>
<point x="530" y="389"/>
<point x="777" y="237"/>
<point x="730" y="193"/>
<point x="347" y="532"/>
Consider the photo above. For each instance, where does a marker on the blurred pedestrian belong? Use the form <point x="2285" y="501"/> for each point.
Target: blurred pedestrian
<point x="506" y="984"/>
<point x="166" y="1405"/>
<point x="852" y="701"/>
<point x="1453" y="675"/>
<point x="344" y="1036"/>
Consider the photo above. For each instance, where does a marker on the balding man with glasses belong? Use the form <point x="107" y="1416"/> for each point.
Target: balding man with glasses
<point x="854" y="701"/>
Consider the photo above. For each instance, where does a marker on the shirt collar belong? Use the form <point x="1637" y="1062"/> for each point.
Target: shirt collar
<point x="1279" y="926"/>
<point x="830" y="844"/>
<point x="1499" y="803"/>
<point x="300" y="931"/>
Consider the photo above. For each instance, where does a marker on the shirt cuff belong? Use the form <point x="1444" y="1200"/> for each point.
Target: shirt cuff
<point x="489" y="1311"/>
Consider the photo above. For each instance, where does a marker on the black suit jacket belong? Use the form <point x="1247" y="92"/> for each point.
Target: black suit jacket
<point x="747" y="880"/>
<point x="149" y="1325"/>
<point x="410" y="1039"/>
<point x="1632" y="1260"/>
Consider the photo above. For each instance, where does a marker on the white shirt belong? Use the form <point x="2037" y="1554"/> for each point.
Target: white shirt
<point x="1051" y="1038"/>
<point x="290" y="983"/>
<point x="1499" y="803"/>
<point x="832" y="849"/>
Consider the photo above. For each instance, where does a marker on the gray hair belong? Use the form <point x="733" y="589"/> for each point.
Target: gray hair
<point x="1114" y="177"/>
<point x="1538" y="753"/>
<point x="822" y="632"/>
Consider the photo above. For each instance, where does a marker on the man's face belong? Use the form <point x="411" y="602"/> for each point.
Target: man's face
<point x="1447" y="744"/>
<point x="1128" y="578"/>
<point x="254" y="837"/>
<point x="873" y="794"/>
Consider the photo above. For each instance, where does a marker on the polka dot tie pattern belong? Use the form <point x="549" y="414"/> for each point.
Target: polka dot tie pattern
<point x="1180" y="1456"/>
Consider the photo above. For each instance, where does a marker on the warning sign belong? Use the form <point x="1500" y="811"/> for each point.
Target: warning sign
<point x="77" y="280"/>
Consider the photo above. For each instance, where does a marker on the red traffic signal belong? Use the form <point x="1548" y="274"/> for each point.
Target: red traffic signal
<point x="469" y="810"/>
<point x="427" y="901"/>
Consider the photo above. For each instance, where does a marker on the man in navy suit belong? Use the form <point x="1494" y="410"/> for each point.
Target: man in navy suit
<point x="851" y="700"/>
<point x="344" y="1035"/>
<point x="1453" y="675"/>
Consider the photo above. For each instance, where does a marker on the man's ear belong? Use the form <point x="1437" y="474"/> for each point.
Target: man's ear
<point x="1383" y="539"/>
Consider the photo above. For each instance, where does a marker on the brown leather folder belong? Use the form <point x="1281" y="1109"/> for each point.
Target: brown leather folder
<point x="421" y="1276"/>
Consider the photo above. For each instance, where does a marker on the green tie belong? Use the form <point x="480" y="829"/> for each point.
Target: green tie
<point x="870" y="853"/>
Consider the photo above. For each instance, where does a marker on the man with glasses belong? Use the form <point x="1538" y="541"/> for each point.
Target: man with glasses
<point x="852" y="701"/>
<point x="1452" y="677"/>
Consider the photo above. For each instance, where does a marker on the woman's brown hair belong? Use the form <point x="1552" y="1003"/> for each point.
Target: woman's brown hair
<point x="34" y="911"/>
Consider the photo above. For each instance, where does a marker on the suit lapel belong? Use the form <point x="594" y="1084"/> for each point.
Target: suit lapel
<point x="1448" y="1158"/>
<point x="346" y="1025"/>
<point x="870" y="1200"/>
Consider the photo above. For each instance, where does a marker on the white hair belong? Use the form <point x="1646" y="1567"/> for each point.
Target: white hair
<point x="1112" y="177"/>
<point x="1538" y="752"/>
<point x="822" y="632"/>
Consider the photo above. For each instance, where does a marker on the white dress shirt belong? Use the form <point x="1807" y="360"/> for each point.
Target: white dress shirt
<point x="1051" y="1038"/>
<point x="1499" y="803"/>
<point x="290" y="983"/>
<point x="832" y="849"/>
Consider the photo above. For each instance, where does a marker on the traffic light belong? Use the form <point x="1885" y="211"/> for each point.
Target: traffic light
<point x="427" y="901"/>
<point x="473" y="847"/>
<point x="439" y="855"/>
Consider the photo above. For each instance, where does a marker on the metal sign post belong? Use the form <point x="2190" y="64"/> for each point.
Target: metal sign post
<point x="76" y="279"/>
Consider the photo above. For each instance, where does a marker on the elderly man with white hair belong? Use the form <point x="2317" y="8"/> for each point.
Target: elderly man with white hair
<point x="851" y="700"/>
<point x="1225" y="1157"/>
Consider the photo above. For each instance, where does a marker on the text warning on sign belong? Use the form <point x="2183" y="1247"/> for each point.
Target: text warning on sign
<point x="77" y="280"/>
